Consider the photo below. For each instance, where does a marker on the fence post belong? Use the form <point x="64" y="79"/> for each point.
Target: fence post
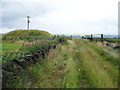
<point x="71" y="37"/>
<point x="91" y="37"/>
<point x="102" y="38"/>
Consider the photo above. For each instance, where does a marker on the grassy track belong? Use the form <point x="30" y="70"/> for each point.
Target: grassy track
<point x="100" y="72"/>
<point x="75" y="64"/>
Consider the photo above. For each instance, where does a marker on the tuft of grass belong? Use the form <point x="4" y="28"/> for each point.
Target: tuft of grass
<point x="35" y="71"/>
<point x="71" y="78"/>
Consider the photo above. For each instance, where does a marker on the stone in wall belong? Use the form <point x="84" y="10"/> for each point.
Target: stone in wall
<point x="43" y="53"/>
<point x="11" y="66"/>
<point x="6" y="78"/>
<point x="47" y="48"/>
<point x="29" y="59"/>
<point x="22" y="62"/>
<point x="116" y="47"/>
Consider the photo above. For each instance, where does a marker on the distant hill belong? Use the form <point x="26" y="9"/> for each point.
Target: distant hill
<point x="17" y="33"/>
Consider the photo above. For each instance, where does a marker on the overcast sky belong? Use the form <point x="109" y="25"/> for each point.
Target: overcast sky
<point x="61" y="16"/>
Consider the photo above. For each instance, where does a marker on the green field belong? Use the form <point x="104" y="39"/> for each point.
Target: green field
<point x="10" y="47"/>
<point x="78" y="63"/>
<point x="9" y="50"/>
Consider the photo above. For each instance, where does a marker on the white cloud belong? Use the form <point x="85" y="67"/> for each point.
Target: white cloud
<point x="5" y="30"/>
<point x="65" y="16"/>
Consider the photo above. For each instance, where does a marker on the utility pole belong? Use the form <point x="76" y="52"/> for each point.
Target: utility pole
<point x="28" y="21"/>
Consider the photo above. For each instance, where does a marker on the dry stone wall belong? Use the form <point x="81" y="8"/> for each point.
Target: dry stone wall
<point x="12" y="68"/>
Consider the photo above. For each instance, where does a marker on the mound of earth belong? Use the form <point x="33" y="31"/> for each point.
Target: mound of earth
<point x="18" y="33"/>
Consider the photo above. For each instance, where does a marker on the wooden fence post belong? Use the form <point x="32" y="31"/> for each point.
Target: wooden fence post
<point x="91" y="37"/>
<point x="102" y="38"/>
